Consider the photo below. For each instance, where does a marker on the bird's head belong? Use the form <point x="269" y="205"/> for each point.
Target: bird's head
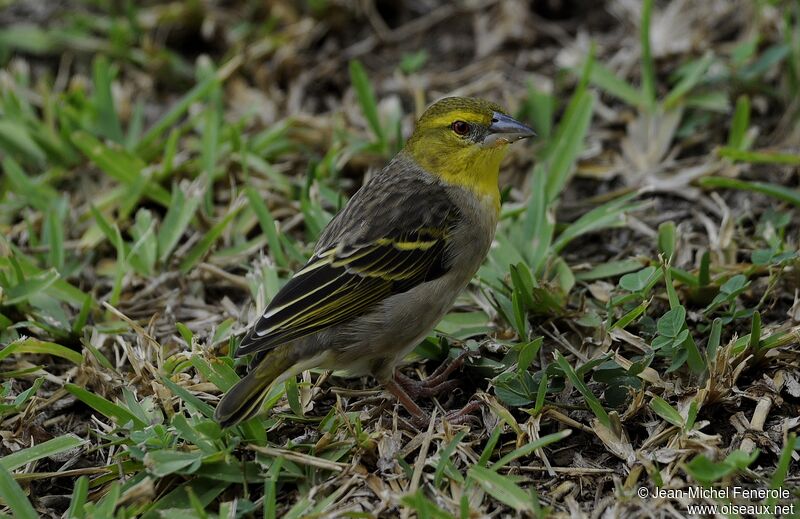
<point x="463" y="139"/>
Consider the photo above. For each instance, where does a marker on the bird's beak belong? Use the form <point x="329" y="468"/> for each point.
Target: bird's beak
<point x="505" y="130"/>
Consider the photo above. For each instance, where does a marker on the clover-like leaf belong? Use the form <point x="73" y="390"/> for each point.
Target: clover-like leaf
<point x="671" y="323"/>
<point x="636" y="281"/>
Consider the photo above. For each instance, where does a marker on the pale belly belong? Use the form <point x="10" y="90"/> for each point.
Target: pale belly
<point x="374" y="343"/>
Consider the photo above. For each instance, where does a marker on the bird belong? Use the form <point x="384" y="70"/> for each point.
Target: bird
<point x="390" y="264"/>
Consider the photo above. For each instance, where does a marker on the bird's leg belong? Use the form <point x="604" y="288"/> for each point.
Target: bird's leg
<point x="422" y="388"/>
<point x="419" y="416"/>
<point x="406" y="390"/>
<point x="436" y="383"/>
<point x="464" y="414"/>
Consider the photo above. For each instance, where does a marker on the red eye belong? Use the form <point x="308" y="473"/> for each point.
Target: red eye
<point x="460" y="127"/>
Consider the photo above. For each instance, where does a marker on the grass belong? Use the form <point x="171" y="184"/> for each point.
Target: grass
<point x="635" y="323"/>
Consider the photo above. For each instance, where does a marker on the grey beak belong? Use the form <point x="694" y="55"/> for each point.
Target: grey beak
<point x="505" y="130"/>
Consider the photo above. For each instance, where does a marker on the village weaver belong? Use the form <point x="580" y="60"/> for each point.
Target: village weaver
<point x="390" y="264"/>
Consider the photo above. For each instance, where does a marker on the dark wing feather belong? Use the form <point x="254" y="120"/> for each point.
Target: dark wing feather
<point x="360" y="260"/>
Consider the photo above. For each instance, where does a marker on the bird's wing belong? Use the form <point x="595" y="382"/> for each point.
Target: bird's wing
<point x="387" y="240"/>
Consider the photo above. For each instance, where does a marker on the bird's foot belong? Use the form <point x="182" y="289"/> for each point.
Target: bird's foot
<point x="465" y="414"/>
<point x="436" y="383"/>
<point x="456" y="417"/>
<point x="406" y="390"/>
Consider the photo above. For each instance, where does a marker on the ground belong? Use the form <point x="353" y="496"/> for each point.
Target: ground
<point x="166" y="167"/>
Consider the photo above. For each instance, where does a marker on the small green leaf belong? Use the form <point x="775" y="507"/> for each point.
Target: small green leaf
<point x="413" y="61"/>
<point x="667" y="239"/>
<point x="293" y="396"/>
<point x="666" y="411"/>
<point x="740" y="124"/>
<point x="528" y="352"/>
<point x="672" y="322"/>
<point x="706" y="471"/>
<point x="691" y="415"/>
<point x="636" y="281"/>
<point x="164" y="462"/>
<point x="631" y="316"/>
<point x="501" y="488"/>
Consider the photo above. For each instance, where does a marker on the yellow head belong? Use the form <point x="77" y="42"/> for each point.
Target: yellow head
<point x="463" y="140"/>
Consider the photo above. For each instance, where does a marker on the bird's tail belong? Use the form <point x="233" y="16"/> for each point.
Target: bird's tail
<point x="244" y="400"/>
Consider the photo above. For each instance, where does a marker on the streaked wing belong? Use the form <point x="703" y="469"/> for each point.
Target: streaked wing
<point x="344" y="282"/>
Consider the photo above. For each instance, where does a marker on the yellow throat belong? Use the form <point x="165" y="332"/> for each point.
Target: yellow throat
<point x="462" y="140"/>
<point x="475" y="169"/>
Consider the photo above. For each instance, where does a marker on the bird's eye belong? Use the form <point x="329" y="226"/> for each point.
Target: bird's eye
<point x="460" y="127"/>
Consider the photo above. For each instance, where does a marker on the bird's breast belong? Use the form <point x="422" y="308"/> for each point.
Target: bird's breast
<point x="472" y="236"/>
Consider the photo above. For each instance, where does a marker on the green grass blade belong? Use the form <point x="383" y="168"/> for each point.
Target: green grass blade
<point x="366" y="98"/>
<point x="79" y="495"/>
<point x="606" y="80"/>
<point x="105" y="407"/>
<point x="666" y="411"/>
<point x="444" y="457"/>
<point x="202" y="247"/>
<point x="592" y="401"/>
<point x="179" y="215"/>
<point x="757" y="157"/>
<point x="740" y="124"/>
<point x="51" y="447"/>
<point x="120" y="165"/>
<point x="188" y="398"/>
<point x="39" y="195"/>
<point x="39" y="347"/>
<point x="569" y="145"/>
<point x="648" y="66"/>
<point x="781" y="193"/>
<point x="692" y="77"/>
<point x="55" y="234"/>
<point x="108" y="124"/>
<point x="502" y="488"/>
<point x="15" y="140"/>
<point x="529" y="448"/>
<point x="14" y="497"/>
<point x="540" y="110"/>
<point x="267" y="224"/>
<point x="610" y="214"/>
<point x="779" y="476"/>
<point x="176" y="112"/>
